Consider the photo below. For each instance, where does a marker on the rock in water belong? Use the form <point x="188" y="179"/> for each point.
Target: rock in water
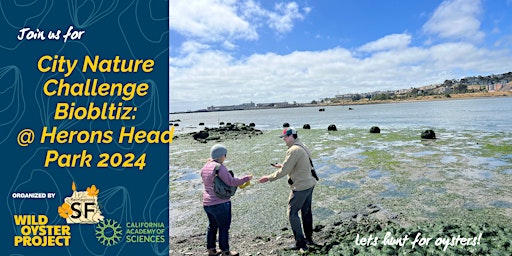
<point x="375" y="129"/>
<point x="428" y="134"/>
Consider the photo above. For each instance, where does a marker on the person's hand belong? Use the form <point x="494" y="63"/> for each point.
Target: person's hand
<point x="250" y="176"/>
<point x="276" y="165"/>
<point x="263" y="179"/>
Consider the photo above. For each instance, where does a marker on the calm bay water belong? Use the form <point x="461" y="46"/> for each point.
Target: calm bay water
<point x="483" y="114"/>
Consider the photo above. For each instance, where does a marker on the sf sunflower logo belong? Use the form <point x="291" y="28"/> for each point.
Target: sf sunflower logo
<point x="82" y="207"/>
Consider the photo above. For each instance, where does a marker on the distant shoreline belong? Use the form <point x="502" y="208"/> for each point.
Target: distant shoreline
<point x="369" y="101"/>
<point x="424" y="98"/>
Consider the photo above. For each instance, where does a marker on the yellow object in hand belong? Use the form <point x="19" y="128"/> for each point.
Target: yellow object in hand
<point x="245" y="185"/>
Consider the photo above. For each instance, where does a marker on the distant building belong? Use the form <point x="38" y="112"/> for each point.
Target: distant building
<point x="273" y="105"/>
<point x="243" y="106"/>
<point x="247" y="106"/>
<point x="345" y="97"/>
<point x="476" y="88"/>
<point x="443" y="90"/>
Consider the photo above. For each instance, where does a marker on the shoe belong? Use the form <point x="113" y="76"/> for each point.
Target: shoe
<point x="214" y="252"/>
<point x="310" y="242"/>
<point x="230" y="253"/>
<point x="296" y="247"/>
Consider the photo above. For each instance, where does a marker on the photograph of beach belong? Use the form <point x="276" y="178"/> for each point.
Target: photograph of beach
<point x="404" y="107"/>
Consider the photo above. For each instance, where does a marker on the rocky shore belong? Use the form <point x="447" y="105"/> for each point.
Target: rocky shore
<point x="379" y="194"/>
<point x="224" y="132"/>
<point x="370" y="231"/>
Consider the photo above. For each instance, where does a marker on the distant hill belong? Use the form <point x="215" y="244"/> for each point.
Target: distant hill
<point x="474" y="84"/>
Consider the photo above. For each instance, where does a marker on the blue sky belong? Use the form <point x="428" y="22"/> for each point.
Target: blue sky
<point x="227" y="52"/>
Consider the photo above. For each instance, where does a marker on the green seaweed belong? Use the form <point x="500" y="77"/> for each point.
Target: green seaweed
<point x="436" y="186"/>
<point x="499" y="149"/>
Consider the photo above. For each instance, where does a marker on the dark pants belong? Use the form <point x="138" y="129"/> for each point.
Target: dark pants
<point x="301" y="201"/>
<point x="219" y="217"/>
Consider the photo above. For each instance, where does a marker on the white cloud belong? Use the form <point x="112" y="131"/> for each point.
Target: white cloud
<point x="282" y="20"/>
<point x="210" y="20"/>
<point x="228" y="45"/>
<point x="303" y="76"/>
<point x="456" y="19"/>
<point x="203" y="75"/>
<point x="192" y="46"/>
<point x="393" y="41"/>
<point x="229" y="20"/>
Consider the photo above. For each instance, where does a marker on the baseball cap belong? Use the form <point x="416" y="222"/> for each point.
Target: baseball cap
<point x="287" y="132"/>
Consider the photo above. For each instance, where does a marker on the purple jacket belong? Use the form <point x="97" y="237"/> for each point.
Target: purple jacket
<point x="208" y="173"/>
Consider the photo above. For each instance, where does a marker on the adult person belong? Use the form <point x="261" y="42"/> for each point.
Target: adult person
<point x="218" y="210"/>
<point x="297" y="166"/>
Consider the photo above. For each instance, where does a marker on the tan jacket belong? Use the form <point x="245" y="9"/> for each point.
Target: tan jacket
<point x="296" y="165"/>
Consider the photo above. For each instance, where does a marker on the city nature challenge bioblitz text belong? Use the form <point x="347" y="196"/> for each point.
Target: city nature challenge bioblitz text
<point x="91" y="87"/>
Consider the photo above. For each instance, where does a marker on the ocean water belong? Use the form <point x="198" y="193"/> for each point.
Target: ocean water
<point x="480" y="114"/>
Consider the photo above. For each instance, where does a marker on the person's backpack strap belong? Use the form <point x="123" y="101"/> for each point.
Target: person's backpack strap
<point x="216" y="169"/>
<point x="313" y="171"/>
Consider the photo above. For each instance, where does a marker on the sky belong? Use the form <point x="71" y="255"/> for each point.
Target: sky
<point x="228" y="52"/>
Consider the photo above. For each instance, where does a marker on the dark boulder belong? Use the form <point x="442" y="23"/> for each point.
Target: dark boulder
<point x="230" y="131"/>
<point x="428" y="134"/>
<point x="252" y="125"/>
<point x="332" y="127"/>
<point x="200" y="135"/>
<point x="375" y="129"/>
<point x="306" y="126"/>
